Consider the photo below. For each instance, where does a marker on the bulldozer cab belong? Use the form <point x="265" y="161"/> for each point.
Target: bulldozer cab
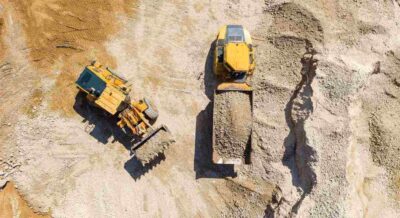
<point x="104" y="88"/>
<point x="234" y="34"/>
<point x="90" y="83"/>
<point x="233" y="55"/>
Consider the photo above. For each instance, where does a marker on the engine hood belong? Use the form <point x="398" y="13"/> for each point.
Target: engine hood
<point x="237" y="56"/>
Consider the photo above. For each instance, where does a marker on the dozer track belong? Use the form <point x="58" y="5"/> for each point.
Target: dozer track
<point x="152" y="145"/>
<point x="232" y="126"/>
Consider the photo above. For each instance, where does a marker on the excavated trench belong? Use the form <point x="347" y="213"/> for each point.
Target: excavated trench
<point x="300" y="155"/>
<point x="298" y="110"/>
<point x="292" y="34"/>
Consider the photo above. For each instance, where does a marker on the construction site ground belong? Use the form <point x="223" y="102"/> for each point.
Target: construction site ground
<point x="326" y="113"/>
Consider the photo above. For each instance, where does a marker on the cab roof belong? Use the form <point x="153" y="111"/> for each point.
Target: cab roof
<point x="234" y="33"/>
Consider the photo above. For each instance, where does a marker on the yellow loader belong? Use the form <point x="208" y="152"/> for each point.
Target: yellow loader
<point x="233" y="99"/>
<point x="107" y="90"/>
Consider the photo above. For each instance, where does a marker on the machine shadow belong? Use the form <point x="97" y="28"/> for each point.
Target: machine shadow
<point x="135" y="168"/>
<point x="203" y="164"/>
<point x="297" y="132"/>
<point x="100" y="125"/>
<point x="103" y="127"/>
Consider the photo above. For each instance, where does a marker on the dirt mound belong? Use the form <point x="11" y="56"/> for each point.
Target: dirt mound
<point x="154" y="146"/>
<point x="232" y="123"/>
<point x="293" y="19"/>
<point x="384" y="141"/>
<point x="13" y="205"/>
<point x="257" y="195"/>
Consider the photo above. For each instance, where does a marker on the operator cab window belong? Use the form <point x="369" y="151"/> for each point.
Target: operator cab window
<point x="85" y="78"/>
<point x="234" y="33"/>
<point x="91" y="83"/>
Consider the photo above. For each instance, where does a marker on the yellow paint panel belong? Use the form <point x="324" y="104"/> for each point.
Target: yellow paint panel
<point x="110" y="99"/>
<point x="222" y="32"/>
<point x="237" y="56"/>
<point x="234" y="86"/>
<point x="109" y="77"/>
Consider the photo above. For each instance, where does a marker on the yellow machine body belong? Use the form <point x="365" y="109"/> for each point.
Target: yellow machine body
<point x="115" y="92"/>
<point x="234" y="65"/>
<point x="109" y="91"/>
<point x="133" y="117"/>
<point x="234" y="56"/>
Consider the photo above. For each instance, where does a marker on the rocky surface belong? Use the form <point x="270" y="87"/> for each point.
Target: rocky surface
<point x="232" y="124"/>
<point x="325" y="115"/>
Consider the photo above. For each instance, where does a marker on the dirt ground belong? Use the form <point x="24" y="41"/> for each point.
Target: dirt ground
<point x="325" y="115"/>
<point x="12" y="205"/>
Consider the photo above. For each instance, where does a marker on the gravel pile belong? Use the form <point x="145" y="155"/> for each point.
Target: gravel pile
<point x="232" y="124"/>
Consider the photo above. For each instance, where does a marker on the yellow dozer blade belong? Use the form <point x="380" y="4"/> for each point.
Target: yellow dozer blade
<point x="152" y="144"/>
<point x="232" y="123"/>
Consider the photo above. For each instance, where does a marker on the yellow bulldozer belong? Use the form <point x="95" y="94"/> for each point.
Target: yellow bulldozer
<point x="234" y="65"/>
<point x="109" y="91"/>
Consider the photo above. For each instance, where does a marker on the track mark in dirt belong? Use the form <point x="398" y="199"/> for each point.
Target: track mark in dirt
<point x="33" y="103"/>
<point x="15" y="74"/>
<point x="62" y="38"/>
<point x="235" y="191"/>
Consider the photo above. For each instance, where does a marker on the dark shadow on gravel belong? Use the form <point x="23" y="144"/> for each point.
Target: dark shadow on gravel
<point x="99" y="124"/>
<point x="135" y="168"/>
<point x="299" y="155"/>
<point x="203" y="164"/>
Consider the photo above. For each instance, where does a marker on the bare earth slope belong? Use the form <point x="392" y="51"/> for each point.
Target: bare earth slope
<point x="326" y="108"/>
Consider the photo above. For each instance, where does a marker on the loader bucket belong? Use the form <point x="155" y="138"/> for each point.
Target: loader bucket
<point x="232" y="124"/>
<point x="152" y="144"/>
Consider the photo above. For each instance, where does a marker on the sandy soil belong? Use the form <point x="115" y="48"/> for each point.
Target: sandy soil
<point x="326" y="105"/>
<point x="12" y="205"/>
